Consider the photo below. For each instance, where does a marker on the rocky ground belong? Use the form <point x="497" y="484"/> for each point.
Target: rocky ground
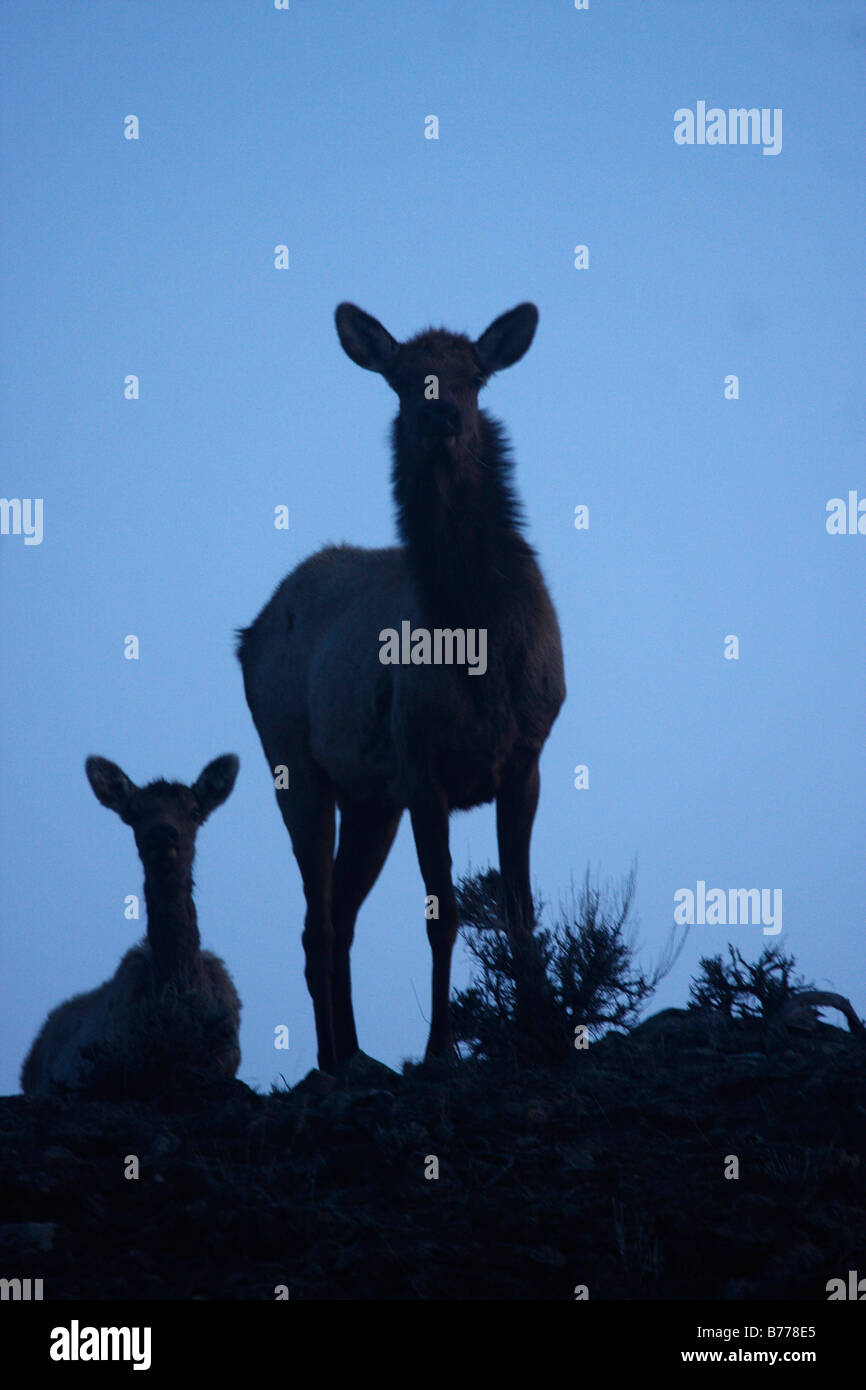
<point x="608" y="1172"/>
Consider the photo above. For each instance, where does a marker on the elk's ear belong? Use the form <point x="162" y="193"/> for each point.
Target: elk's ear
<point x="507" y="338"/>
<point x="364" y="339"/>
<point x="215" y="783"/>
<point x="110" y="784"/>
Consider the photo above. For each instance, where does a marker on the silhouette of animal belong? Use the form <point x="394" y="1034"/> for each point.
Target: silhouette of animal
<point x="167" y="994"/>
<point x="355" y="729"/>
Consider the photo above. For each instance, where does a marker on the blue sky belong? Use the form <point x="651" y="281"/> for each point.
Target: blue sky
<point x="707" y="516"/>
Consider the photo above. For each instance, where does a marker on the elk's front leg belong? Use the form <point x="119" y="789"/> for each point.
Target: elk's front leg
<point x="515" y="812"/>
<point x="429" y="811"/>
<point x="516" y="803"/>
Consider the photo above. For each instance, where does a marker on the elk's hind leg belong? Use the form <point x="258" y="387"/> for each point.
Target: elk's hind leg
<point x="429" y="810"/>
<point x="307" y="807"/>
<point x="366" y="835"/>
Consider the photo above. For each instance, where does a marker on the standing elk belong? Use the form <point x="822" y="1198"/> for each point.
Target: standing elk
<point x="357" y="726"/>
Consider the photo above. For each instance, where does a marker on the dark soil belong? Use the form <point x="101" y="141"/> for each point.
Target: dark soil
<point x="607" y="1171"/>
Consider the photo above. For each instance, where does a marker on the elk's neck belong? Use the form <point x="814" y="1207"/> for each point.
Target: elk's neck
<point x="172" y="927"/>
<point x="459" y="520"/>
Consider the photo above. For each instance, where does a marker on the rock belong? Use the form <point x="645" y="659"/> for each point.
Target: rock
<point x="26" y="1238"/>
<point x="315" y="1083"/>
<point x="366" y="1072"/>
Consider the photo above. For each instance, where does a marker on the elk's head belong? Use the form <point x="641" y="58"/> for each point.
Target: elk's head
<point x="437" y="376"/>
<point x="164" y="816"/>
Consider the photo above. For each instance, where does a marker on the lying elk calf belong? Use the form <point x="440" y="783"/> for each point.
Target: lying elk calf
<point x="374" y="723"/>
<point x="169" y="1004"/>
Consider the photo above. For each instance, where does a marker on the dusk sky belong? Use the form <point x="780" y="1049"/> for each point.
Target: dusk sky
<point x="695" y="382"/>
